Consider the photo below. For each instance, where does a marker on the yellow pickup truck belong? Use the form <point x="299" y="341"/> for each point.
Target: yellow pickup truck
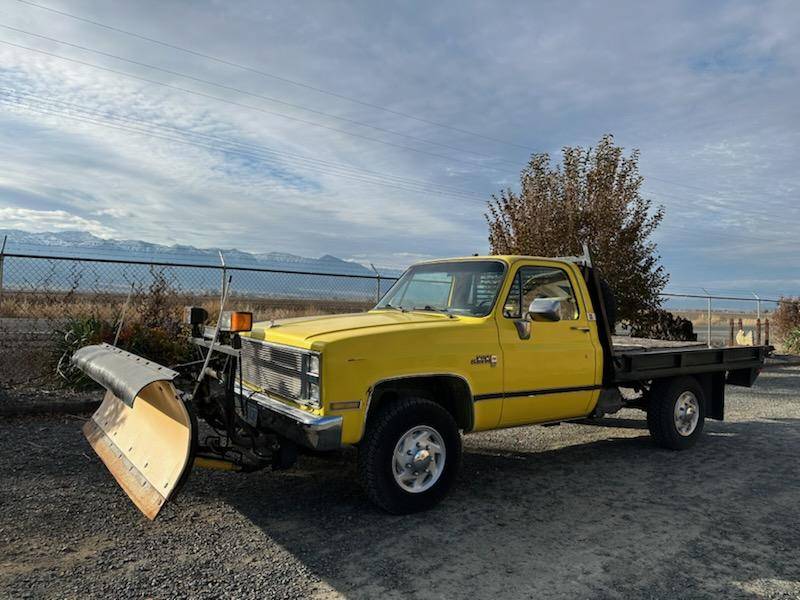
<point x="455" y="346"/>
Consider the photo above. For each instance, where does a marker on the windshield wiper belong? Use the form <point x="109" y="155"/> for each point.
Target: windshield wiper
<point x="390" y="307"/>
<point x="429" y="308"/>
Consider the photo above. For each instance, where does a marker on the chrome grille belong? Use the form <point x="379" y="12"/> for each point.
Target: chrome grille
<point x="271" y="368"/>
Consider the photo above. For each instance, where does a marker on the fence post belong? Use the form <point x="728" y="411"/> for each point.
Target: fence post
<point x="224" y="280"/>
<point x="758" y="331"/>
<point x="378" y="284"/>
<point x="741" y="326"/>
<point x="766" y="331"/>
<point x="2" y="261"/>
<point x="708" y="324"/>
<point x="732" y="338"/>
<point x="758" y="305"/>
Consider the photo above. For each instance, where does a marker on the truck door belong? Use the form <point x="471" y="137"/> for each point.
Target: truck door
<point x="552" y="374"/>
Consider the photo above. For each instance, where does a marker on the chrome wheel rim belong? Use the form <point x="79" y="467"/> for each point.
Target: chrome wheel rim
<point x="687" y="413"/>
<point x="418" y="459"/>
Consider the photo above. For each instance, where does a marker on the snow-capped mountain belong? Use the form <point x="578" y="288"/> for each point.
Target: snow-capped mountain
<point x="86" y="245"/>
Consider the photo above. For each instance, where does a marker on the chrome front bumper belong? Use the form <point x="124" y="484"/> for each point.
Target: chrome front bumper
<point x="312" y="431"/>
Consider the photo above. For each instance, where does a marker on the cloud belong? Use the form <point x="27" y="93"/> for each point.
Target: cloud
<point x="114" y="212"/>
<point x="707" y="91"/>
<point x="38" y="221"/>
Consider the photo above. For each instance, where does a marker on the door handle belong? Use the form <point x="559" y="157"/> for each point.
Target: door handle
<point x="583" y="329"/>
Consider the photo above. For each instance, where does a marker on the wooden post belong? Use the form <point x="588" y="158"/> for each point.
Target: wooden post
<point x="732" y="339"/>
<point x="758" y="332"/>
<point x="766" y="331"/>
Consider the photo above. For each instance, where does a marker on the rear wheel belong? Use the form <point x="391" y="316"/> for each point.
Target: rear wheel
<point x="676" y="412"/>
<point x="410" y="455"/>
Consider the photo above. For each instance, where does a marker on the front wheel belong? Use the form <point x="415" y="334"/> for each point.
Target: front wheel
<point x="676" y="412"/>
<point x="410" y="455"/>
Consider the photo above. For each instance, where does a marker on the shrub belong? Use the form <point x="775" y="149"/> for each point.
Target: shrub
<point x="791" y="341"/>
<point x="152" y="328"/>
<point x="164" y="346"/>
<point x="663" y="325"/>
<point x="786" y="318"/>
<point x="77" y="333"/>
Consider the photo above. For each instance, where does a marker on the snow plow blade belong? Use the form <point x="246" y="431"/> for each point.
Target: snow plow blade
<point x="143" y="431"/>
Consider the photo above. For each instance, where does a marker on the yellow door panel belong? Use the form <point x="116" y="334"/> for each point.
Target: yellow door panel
<point x="551" y="375"/>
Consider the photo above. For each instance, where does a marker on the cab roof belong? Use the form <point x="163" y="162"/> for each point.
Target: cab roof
<point x="509" y="259"/>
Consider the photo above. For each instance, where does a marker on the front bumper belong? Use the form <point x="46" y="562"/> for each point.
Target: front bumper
<point x="312" y="431"/>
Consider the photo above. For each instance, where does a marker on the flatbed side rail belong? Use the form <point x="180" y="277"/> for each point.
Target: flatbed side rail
<point x="668" y="362"/>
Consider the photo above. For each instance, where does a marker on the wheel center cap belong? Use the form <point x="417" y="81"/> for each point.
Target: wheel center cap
<point x="422" y="459"/>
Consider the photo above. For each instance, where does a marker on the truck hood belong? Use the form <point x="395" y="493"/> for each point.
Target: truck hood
<point x="304" y="331"/>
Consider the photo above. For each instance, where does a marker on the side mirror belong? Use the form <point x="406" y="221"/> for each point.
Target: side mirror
<point x="545" y="309"/>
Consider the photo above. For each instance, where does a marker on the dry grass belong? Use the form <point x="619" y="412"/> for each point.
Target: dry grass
<point x="28" y="305"/>
<point x="720" y="318"/>
<point x="29" y="321"/>
<point x="43" y="305"/>
<point x="265" y="309"/>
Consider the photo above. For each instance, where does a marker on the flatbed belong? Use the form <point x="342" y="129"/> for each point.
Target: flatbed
<point x="660" y="358"/>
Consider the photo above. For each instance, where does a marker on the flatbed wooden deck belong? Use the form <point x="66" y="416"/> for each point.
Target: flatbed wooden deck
<point x="623" y="343"/>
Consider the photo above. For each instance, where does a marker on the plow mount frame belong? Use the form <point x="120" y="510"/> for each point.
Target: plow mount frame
<point x="146" y="430"/>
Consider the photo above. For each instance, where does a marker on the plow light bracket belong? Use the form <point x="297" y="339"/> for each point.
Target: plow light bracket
<point x="235" y="322"/>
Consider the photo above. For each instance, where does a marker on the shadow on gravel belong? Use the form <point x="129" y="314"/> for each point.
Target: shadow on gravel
<point x="615" y="516"/>
<point x="570" y="511"/>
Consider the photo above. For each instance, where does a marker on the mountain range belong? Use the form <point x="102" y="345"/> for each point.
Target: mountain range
<point x="85" y="245"/>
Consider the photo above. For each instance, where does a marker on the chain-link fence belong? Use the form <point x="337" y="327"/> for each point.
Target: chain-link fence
<point x="718" y="319"/>
<point x="42" y="296"/>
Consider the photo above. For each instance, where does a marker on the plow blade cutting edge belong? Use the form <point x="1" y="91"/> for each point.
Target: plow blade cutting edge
<point x="142" y="430"/>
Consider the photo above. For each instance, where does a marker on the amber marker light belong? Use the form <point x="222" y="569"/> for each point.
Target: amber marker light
<point x="236" y="321"/>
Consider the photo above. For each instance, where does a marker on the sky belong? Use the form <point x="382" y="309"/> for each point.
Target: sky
<point x="377" y="132"/>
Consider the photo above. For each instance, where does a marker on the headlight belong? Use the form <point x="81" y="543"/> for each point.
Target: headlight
<point x="311" y="377"/>
<point x="313" y="364"/>
<point x="313" y="393"/>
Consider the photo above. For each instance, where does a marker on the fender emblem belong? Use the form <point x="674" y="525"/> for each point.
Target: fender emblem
<point x="484" y="359"/>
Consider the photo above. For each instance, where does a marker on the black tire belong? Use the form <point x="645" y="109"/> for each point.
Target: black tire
<point x="376" y="454"/>
<point x="661" y="412"/>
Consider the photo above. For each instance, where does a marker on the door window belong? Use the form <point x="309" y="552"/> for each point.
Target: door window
<point x="541" y="282"/>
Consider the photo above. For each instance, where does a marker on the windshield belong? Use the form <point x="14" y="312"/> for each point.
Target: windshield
<point x="463" y="287"/>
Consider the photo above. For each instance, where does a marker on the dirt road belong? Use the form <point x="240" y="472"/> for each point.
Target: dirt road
<point x="561" y="512"/>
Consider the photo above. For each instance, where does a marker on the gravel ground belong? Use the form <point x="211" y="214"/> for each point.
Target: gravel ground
<point x="558" y="512"/>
